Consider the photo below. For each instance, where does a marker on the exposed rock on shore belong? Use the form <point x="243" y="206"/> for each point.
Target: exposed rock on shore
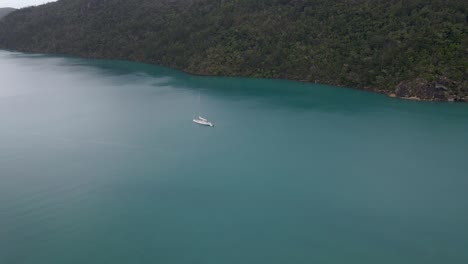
<point x="440" y="89"/>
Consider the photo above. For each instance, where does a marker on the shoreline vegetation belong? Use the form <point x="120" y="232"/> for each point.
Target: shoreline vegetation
<point x="405" y="49"/>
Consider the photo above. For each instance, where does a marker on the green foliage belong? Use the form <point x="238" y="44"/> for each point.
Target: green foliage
<point x="360" y="43"/>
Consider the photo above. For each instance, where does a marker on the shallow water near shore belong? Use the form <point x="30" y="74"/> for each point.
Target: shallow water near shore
<point x="100" y="162"/>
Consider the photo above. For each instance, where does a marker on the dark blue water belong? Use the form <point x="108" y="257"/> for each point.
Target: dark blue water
<point x="101" y="163"/>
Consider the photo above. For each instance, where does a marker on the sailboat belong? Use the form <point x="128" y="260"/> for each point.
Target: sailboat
<point x="200" y="120"/>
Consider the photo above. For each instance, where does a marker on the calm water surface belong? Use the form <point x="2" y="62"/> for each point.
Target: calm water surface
<point x="101" y="163"/>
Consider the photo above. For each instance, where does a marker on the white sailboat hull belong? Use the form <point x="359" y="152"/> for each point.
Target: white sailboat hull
<point x="203" y="122"/>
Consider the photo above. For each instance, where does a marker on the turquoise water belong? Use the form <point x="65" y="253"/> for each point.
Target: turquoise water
<point x="101" y="163"/>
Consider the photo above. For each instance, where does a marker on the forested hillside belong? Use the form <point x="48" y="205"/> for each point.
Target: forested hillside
<point x="414" y="48"/>
<point x="5" y="11"/>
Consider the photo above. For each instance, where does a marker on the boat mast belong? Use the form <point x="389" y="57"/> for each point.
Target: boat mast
<point x="199" y="103"/>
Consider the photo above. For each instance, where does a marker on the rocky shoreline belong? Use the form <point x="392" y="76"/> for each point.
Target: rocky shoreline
<point x="441" y="89"/>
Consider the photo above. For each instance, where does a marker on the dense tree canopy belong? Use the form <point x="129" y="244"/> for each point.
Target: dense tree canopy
<point x="371" y="44"/>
